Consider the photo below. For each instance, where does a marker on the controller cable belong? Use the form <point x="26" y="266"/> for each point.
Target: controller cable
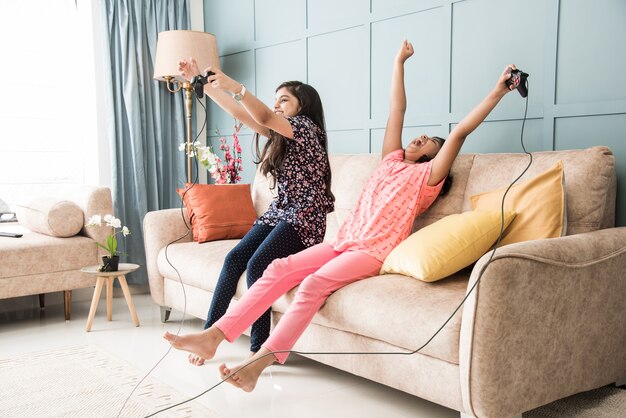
<point x="182" y="214"/>
<point x="408" y="353"/>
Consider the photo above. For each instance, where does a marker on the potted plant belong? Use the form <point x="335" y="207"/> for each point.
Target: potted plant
<point x="109" y="262"/>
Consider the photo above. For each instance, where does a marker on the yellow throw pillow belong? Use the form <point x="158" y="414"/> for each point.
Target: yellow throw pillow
<point x="538" y="202"/>
<point x="446" y="246"/>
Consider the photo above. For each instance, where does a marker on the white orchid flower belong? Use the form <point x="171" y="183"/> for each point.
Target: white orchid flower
<point x="95" y="220"/>
<point x="125" y="231"/>
<point x="182" y="146"/>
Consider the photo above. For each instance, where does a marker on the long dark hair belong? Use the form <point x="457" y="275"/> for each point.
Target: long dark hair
<point x="272" y="157"/>
<point x="447" y="184"/>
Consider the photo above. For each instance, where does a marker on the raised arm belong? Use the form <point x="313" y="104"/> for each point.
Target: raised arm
<point x="445" y="157"/>
<point x="397" y="106"/>
<point x="189" y="69"/>
<point x="261" y="114"/>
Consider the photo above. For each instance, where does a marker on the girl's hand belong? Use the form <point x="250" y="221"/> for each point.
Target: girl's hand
<point x="405" y="52"/>
<point x="188" y="69"/>
<point x="219" y="80"/>
<point x="506" y="74"/>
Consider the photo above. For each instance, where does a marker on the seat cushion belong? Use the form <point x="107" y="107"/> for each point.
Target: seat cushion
<point x="36" y="253"/>
<point x="397" y="309"/>
<point x="199" y="265"/>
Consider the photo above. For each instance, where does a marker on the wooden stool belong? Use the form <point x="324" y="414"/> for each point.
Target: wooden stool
<point x="109" y="276"/>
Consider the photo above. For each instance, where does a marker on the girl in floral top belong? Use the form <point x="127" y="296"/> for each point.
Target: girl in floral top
<point x="404" y="185"/>
<point x="295" y="155"/>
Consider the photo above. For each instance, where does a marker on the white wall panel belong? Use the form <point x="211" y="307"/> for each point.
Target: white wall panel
<point x="232" y="22"/>
<point x="488" y="35"/>
<point x="337" y="70"/>
<point x="573" y="50"/>
<point x="279" y="20"/>
<point x="504" y="136"/>
<point x="326" y="13"/>
<point x="425" y="72"/>
<point x="348" y="142"/>
<point x="277" y="64"/>
<point x="587" y="31"/>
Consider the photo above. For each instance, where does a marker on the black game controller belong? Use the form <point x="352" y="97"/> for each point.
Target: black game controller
<point x="518" y="81"/>
<point x="198" y="83"/>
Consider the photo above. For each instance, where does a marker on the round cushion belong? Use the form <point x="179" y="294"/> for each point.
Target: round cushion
<point x="51" y="216"/>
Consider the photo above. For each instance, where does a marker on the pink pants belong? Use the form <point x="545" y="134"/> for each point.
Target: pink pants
<point x="319" y="270"/>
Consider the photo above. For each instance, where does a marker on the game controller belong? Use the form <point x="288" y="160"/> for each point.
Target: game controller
<point x="198" y="83"/>
<point x="518" y="81"/>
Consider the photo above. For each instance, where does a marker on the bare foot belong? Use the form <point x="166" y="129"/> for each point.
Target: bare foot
<point x="246" y="374"/>
<point x="203" y="344"/>
<point x="196" y="360"/>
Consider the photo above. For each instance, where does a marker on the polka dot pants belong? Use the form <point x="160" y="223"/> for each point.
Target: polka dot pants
<point x="257" y="249"/>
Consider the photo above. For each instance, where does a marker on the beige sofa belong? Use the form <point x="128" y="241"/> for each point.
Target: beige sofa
<point x="37" y="263"/>
<point x="545" y="321"/>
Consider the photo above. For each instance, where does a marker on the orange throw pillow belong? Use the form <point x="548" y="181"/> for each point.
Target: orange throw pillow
<point x="223" y="211"/>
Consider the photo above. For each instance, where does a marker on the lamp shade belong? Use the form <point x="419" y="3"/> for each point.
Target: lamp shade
<point x="174" y="45"/>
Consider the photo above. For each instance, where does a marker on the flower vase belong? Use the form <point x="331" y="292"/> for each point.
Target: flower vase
<point x="110" y="263"/>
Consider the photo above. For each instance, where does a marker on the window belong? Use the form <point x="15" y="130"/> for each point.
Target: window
<point x="48" y="127"/>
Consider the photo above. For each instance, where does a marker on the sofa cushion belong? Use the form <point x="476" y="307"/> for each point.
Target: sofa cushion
<point x="36" y="253"/>
<point x="590" y="185"/>
<point x="51" y="216"/>
<point x="218" y="211"/>
<point x="396" y="309"/>
<point x="199" y="265"/>
<point x="447" y="246"/>
<point x="539" y="203"/>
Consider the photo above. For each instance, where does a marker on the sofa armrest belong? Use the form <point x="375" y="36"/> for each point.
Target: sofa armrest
<point x="93" y="200"/>
<point x="160" y="228"/>
<point x="547" y="320"/>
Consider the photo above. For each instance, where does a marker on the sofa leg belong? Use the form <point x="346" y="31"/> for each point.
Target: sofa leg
<point x="67" y="304"/>
<point x="42" y="301"/>
<point x="165" y="313"/>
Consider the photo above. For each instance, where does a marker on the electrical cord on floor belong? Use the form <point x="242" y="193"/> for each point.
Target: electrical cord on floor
<point x="407" y="353"/>
<point x="182" y="214"/>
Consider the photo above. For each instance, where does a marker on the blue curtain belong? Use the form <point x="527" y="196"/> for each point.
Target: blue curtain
<point x="146" y="122"/>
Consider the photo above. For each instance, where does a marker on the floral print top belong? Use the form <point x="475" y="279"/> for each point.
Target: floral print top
<point x="301" y="184"/>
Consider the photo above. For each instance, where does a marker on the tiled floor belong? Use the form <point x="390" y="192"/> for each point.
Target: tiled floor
<point x="301" y="388"/>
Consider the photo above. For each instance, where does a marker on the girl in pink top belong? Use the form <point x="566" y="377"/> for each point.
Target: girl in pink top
<point x="403" y="186"/>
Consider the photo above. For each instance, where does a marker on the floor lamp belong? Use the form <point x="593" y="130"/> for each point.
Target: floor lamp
<point x="174" y="45"/>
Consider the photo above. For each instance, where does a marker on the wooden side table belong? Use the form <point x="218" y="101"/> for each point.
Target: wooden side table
<point x="109" y="276"/>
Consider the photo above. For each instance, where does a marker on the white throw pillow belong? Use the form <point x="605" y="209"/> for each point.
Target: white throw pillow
<point x="51" y="216"/>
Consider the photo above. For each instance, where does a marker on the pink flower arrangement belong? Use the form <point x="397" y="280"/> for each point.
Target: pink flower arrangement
<point x="224" y="171"/>
<point x="228" y="171"/>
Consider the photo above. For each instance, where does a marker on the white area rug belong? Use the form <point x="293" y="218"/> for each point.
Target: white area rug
<point x="84" y="381"/>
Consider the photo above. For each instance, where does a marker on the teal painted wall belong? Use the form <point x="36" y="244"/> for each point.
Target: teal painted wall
<point x="574" y="51"/>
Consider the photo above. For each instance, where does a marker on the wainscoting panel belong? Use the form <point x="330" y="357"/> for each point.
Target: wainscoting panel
<point x="588" y="131"/>
<point x="337" y="69"/>
<point x="591" y="53"/>
<point x="425" y="73"/>
<point x="572" y="49"/>
<point x="276" y="64"/>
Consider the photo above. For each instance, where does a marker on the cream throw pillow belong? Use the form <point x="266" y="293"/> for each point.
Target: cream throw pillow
<point x="538" y="202"/>
<point x="51" y="216"/>
<point x="446" y="246"/>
